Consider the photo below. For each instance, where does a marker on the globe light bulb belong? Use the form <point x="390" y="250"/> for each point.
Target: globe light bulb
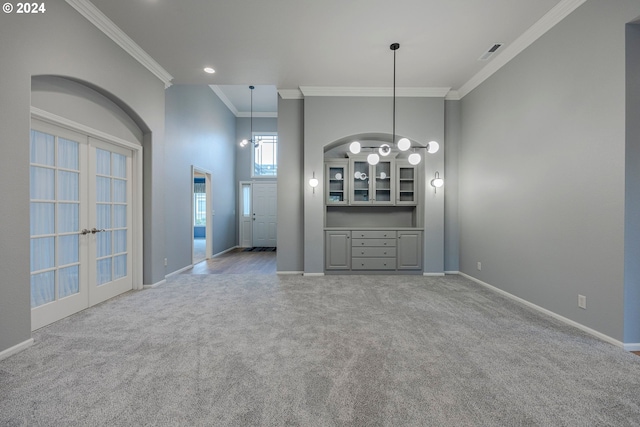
<point x="414" y="158"/>
<point x="373" y="159"/>
<point x="354" y="147"/>
<point x="404" y="144"/>
<point x="314" y="182"/>
<point x="433" y="147"/>
<point x="384" y="150"/>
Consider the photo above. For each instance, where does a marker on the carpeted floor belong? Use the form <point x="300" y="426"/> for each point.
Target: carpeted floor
<point x="218" y="350"/>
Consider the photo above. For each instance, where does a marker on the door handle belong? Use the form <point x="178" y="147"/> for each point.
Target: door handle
<point x="95" y="230"/>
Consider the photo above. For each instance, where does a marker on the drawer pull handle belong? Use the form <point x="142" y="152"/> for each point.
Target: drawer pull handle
<point x="362" y="252"/>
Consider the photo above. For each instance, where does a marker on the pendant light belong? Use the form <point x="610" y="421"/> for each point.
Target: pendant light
<point x="403" y="144"/>
<point x="244" y="142"/>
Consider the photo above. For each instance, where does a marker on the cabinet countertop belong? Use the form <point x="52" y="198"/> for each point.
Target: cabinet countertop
<point x="374" y="228"/>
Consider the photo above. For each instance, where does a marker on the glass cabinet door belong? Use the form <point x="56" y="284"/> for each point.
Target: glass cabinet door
<point x="384" y="176"/>
<point x="336" y="183"/>
<point x="361" y="191"/>
<point x="407" y="182"/>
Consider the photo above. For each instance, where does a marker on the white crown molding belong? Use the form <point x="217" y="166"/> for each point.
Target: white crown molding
<point x="104" y="24"/>
<point x="233" y="108"/>
<point x="419" y="92"/>
<point x="224" y="99"/>
<point x="257" y="114"/>
<point x="290" y="94"/>
<point x="548" y="21"/>
<point x="453" y="95"/>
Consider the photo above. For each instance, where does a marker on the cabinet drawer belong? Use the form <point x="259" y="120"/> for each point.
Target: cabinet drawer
<point x="373" y="264"/>
<point x="373" y="242"/>
<point x="358" y="234"/>
<point x="367" y="252"/>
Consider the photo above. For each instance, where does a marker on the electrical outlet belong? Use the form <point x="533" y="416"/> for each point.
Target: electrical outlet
<point x="166" y="262"/>
<point x="479" y="265"/>
<point x="582" y="301"/>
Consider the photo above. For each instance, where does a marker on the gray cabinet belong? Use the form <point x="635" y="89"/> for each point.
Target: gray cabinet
<point x="409" y="250"/>
<point x="406" y="184"/>
<point x="336" y="183"/>
<point x="373" y="250"/>
<point x="337" y="248"/>
<point x="371" y="184"/>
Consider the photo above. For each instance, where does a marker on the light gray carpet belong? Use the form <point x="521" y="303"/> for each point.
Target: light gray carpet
<point x="337" y="350"/>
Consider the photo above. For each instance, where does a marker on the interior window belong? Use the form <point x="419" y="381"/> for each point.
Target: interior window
<point x="265" y="155"/>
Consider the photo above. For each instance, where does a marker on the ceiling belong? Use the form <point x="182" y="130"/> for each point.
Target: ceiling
<point x="286" y="44"/>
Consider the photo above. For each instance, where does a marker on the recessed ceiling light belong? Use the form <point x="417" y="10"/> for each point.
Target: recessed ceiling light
<point x="209" y="70"/>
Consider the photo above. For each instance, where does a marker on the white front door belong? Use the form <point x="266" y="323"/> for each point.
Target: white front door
<point x="80" y="216"/>
<point x="265" y="209"/>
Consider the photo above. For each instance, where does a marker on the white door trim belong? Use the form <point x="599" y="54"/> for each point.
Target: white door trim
<point x="136" y="199"/>
<point x="208" y="229"/>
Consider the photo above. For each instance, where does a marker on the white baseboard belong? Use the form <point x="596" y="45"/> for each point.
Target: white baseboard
<point x="451" y="272"/>
<point x="313" y="274"/>
<point x="580" y="326"/>
<point x="290" y="273"/>
<point x="155" y="285"/>
<point x="225" y="251"/>
<point x="182" y="270"/>
<point x="433" y="274"/>
<point x="16" y="349"/>
<point x="632" y="346"/>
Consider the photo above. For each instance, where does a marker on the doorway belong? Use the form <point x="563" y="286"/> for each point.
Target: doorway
<point x="257" y="221"/>
<point x="201" y="215"/>
<point x="82" y="220"/>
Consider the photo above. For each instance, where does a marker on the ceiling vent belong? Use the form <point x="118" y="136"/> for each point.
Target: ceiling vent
<point x="489" y="53"/>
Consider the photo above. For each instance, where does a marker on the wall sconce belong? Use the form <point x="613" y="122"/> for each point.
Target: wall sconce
<point x="313" y="182"/>
<point x="437" y="182"/>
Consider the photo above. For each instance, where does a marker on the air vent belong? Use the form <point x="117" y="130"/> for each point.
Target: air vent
<point x="489" y="53"/>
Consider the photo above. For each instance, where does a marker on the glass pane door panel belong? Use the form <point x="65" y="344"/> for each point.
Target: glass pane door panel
<point x="69" y="280"/>
<point x="42" y="253"/>
<point x="42" y="148"/>
<point x="103" y="189"/>
<point x="119" y="165"/>
<point x="104" y="271"/>
<point x="103" y="220"/>
<point x="103" y="244"/>
<point x="119" y="191"/>
<point x="103" y="162"/>
<point x="119" y="266"/>
<point x="42" y="218"/>
<point x="119" y="241"/>
<point x="68" y="249"/>
<point x="42" y="184"/>
<point x="42" y="288"/>
<point x="68" y="188"/>
<point x="119" y="216"/>
<point x="68" y="217"/>
<point x="68" y="154"/>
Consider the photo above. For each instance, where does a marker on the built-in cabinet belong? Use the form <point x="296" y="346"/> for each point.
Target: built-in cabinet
<point x="372" y="216"/>
<point x="373" y="250"/>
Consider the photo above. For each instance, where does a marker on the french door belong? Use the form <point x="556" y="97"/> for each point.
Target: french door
<point x="80" y="216"/>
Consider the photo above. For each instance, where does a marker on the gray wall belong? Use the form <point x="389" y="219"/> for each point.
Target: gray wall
<point x="542" y="170"/>
<point x="63" y="43"/>
<point x="201" y="132"/>
<point x="632" y="193"/>
<point x="329" y="119"/>
<point x="290" y="185"/>
<point x="452" y="136"/>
